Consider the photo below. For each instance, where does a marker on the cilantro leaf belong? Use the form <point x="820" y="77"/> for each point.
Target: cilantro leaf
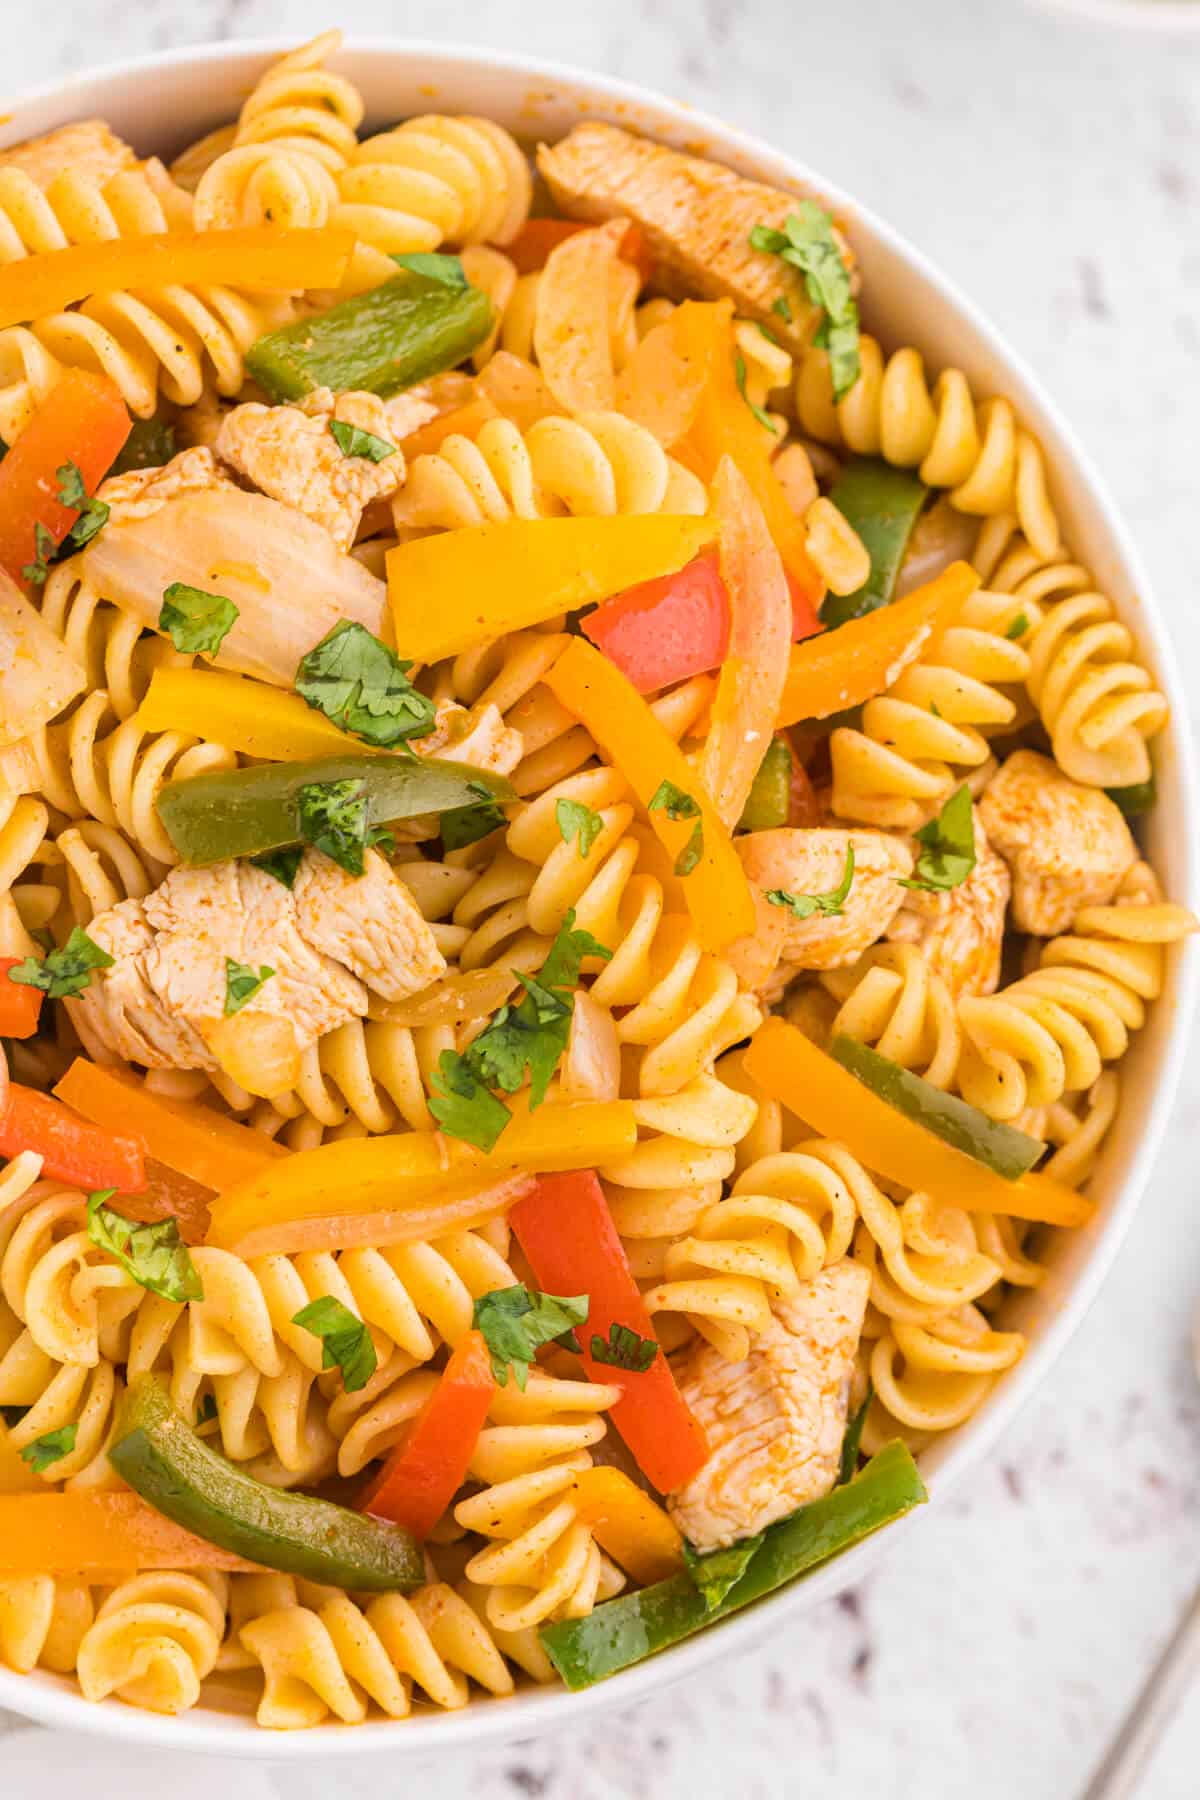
<point x="93" y="514"/>
<point x="715" y="1572"/>
<point x="1019" y="626"/>
<point x="50" y="1448"/>
<point x="354" y="440"/>
<point x="435" y="267"/>
<point x="462" y="1104"/>
<point x="680" y="805"/>
<point x="624" y="1349"/>
<point x="345" y="1341"/>
<point x="575" y="820"/>
<point x="739" y="374"/>
<point x="333" y="818"/>
<point x="241" y="984"/>
<point x="803" y="906"/>
<point x="35" y="572"/>
<point x="781" y="307"/>
<point x="155" y="1255"/>
<point x="63" y="972"/>
<point x="282" y="864"/>
<point x="807" y="243"/>
<point x="566" y="955"/>
<point x="198" y="623"/>
<point x="515" y="1322"/>
<point x="947" y="853"/>
<point x="363" y="687"/>
<point x="853" y="1438"/>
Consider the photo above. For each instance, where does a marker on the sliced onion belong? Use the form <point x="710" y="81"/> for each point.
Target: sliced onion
<point x="571" y="335"/>
<point x="455" y="1000"/>
<point x="461" y="1211"/>
<point x="660" y="386"/>
<point x="38" y="674"/>
<point x="591" y="1068"/>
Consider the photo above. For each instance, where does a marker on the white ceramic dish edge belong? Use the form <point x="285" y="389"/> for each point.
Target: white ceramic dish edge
<point x="147" y="99"/>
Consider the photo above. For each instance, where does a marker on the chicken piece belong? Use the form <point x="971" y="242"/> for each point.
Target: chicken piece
<point x="140" y="493"/>
<point x="371" y="923"/>
<point x="189" y="523"/>
<point x="478" y="737"/>
<point x="776" y="1421"/>
<point x="120" y="1014"/>
<point x="1067" y="845"/>
<point x="960" y="933"/>
<point x="697" y="217"/>
<point x="290" y="453"/>
<point x="88" y="147"/>
<point x="814" y="862"/>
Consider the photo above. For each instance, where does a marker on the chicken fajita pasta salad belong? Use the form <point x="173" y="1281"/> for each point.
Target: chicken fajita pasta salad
<point x="570" y="903"/>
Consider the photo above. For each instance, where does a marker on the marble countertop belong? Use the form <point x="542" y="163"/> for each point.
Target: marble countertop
<point x="1054" y="169"/>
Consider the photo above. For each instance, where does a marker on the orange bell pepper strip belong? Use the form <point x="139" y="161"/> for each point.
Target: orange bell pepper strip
<point x="725" y="426"/>
<point x="241" y="714"/>
<point x="843" y="668"/>
<point x="203" y="1145"/>
<point x="256" y="257"/>
<point x="453" y="588"/>
<point x="538" y="237"/>
<point x="422" y="1475"/>
<point x="567" y="1232"/>
<point x="71" y="1148"/>
<point x="168" y="1195"/>
<point x="716" y="891"/>
<point x="83" y="420"/>
<point x="90" y="1530"/>
<point x="640" y="1537"/>
<point x="818" y="1090"/>
<point x="464" y="421"/>
<point x="430" y="1177"/>
<point x="20" y="1007"/>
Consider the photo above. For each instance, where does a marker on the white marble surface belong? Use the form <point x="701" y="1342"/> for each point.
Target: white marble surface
<point x="1055" y="170"/>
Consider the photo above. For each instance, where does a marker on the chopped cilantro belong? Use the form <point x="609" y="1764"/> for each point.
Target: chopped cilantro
<point x="1019" y="626"/>
<point x="575" y="820"/>
<point x="50" y="1448"/>
<point x="363" y="687"/>
<point x="198" y="623"/>
<point x="241" y="984"/>
<point x="435" y="267"/>
<point x="781" y="307"/>
<point x="353" y="440"/>
<point x="93" y="514"/>
<point x="282" y="864"/>
<point x="35" y="572"/>
<point x="515" y="1322"/>
<point x="155" y="1255"/>
<point x="804" y="906"/>
<point x="808" y="244"/>
<point x="333" y="818"/>
<point x="947" y="853"/>
<point x="679" y="805"/>
<point x="463" y="1106"/>
<point x="345" y="1341"/>
<point x="624" y="1349"/>
<point x="63" y="972"/>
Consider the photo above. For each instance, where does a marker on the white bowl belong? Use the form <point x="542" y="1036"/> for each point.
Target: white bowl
<point x="162" y="102"/>
<point x="1178" y="16"/>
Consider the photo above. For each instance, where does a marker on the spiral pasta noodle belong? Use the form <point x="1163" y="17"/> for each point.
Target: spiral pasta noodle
<point x="153" y="1641"/>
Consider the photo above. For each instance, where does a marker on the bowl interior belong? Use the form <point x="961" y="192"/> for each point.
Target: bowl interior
<point x="164" y="102"/>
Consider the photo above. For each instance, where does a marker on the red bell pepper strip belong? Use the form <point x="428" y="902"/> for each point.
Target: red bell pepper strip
<point x="82" y="420"/>
<point x="422" y="1475"/>
<point x="20" y="1007"/>
<point x="677" y="626"/>
<point x="71" y="1149"/>
<point x="567" y="1232"/>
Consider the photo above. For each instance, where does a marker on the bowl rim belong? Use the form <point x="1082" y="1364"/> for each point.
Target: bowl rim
<point x="541" y="1710"/>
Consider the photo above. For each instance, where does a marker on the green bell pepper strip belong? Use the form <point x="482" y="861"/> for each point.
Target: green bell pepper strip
<point x="1001" y="1148"/>
<point x="769" y="800"/>
<point x="150" y="445"/>
<point x="402" y="332"/>
<point x="242" y="812"/>
<point x="883" y="504"/>
<point x="156" y="1451"/>
<point x="1136" y="800"/>
<point x="627" y="1630"/>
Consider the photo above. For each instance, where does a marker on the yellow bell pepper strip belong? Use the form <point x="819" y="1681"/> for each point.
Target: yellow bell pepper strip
<point x="241" y="714"/>
<point x="716" y="891"/>
<point x="403" y="1172"/>
<point x="193" y="1140"/>
<point x="258" y="257"/>
<point x="90" y="1530"/>
<point x="844" y="668"/>
<point x="454" y="588"/>
<point x="826" y="1096"/>
<point x="637" y="1533"/>
<point x="760" y="632"/>
<point x="725" y="426"/>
